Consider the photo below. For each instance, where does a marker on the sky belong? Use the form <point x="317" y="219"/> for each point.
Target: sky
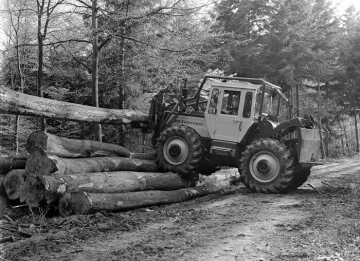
<point x="344" y="4"/>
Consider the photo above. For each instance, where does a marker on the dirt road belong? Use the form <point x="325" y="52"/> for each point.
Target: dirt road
<point x="317" y="222"/>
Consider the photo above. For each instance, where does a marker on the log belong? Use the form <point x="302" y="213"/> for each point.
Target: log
<point x="84" y="203"/>
<point x="41" y="163"/>
<point x="146" y="156"/>
<point x="4" y="202"/>
<point x="49" y="189"/>
<point x="13" y="182"/>
<point x="12" y="102"/>
<point x="9" y="163"/>
<point x="73" y="148"/>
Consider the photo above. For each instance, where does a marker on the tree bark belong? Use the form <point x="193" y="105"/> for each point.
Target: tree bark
<point x="9" y="163"/>
<point x="73" y="148"/>
<point x="356" y="130"/>
<point x="49" y="189"/>
<point x="95" y="66"/>
<point x="13" y="182"/>
<point x="84" y="203"/>
<point x="12" y="102"/>
<point x="42" y="163"/>
<point x="145" y="156"/>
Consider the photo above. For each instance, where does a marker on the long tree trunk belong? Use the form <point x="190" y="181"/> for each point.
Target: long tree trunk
<point x="41" y="163"/>
<point x="40" y="37"/>
<point x="73" y="148"/>
<point x="84" y="203"/>
<point x="12" y="102"/>
<point x="356" y="130"/>
<point x="95" y="66"/>
<point x="49" y="189"/>
<point x="320" y="124"/>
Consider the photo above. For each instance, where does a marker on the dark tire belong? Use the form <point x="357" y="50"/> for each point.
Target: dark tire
<point x="266" y="166"/>
<point x="301" y="174"/>
<point x="179" y="150"/>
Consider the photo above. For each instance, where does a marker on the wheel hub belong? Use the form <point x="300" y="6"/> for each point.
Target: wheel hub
<point x="176" y="150"/>
<point x="264" y="166"/>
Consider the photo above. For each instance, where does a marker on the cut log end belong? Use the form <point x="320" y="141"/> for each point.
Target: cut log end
<point x="39" y="163"/>
<point x="13" y="182"/>
<point x="75" y="203"/>
<point x="32" y="192"/>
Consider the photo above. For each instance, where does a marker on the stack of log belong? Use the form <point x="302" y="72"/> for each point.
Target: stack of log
<point x="84" y="176"/>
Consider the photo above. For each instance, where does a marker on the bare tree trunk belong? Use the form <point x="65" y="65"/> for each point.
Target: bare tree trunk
<point x="320" y="125"/>
<point x="356" y="130"/>
<point x="40" y="37"/>
<point x="95" y="66"/>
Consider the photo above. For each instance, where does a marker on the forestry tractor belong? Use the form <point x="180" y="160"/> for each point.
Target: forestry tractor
<point x="233" y="121"/>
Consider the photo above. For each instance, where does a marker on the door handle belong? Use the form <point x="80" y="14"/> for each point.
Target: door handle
<point x="240" y="125"/>
<point x="236" y="121"/>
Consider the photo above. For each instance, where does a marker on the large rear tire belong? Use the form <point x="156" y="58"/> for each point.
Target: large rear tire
<point x="179" y="150"/>
<point x="266" y="166"/>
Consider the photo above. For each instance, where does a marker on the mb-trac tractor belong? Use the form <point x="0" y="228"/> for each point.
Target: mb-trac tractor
<point x="233" y="121"/>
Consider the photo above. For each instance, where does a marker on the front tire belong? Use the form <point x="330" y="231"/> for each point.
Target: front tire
<point x="179" y="150"/>
<point x="266" y="166"/>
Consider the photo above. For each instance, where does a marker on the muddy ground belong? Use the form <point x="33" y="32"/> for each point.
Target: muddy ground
<point x="320" y="221"/>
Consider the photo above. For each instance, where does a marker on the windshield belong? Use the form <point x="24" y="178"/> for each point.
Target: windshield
<point x="272" y="97"/>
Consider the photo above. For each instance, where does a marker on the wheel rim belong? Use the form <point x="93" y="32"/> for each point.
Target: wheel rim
<point x="176" y="150"/>
<point x="264" y="166"/>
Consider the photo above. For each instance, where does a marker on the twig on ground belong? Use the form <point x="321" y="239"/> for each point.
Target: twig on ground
<point x="311" y="186"/>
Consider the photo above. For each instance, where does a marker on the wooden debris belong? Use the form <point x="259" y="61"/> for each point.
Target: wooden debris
<point x="12" y="102"/>
<point x="73" y="148"/>
<point x="84" y="203"/>
<point x="13" y="182"/>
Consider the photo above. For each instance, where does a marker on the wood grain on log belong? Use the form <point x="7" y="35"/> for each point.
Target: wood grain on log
<point x="9" y="163"/>
<point x="12" y="102"/>
<point x="83" y="203"/>
<point x="73" y="148"/>
<point x="42" y="163"/>
<point x="13" y="182"/>
<point x="146" y="156"/>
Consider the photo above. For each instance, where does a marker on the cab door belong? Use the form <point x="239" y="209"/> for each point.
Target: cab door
<point x="228" y="120"/>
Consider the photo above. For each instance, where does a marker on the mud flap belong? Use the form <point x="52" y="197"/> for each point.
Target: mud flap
<point x="308" y="148"/>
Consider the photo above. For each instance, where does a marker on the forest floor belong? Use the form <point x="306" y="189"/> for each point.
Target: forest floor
<point x="320" y="221"/>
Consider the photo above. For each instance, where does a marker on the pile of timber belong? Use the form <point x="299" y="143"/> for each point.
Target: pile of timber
<point x="84" y="176"/>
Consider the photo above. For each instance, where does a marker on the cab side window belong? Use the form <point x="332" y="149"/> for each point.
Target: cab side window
<point x="247" y="105"/>
<point x="214" y="101"/>
<point x="230" y="102"/>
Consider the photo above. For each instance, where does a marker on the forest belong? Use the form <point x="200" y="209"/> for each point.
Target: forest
<point x="118" y="53"/>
